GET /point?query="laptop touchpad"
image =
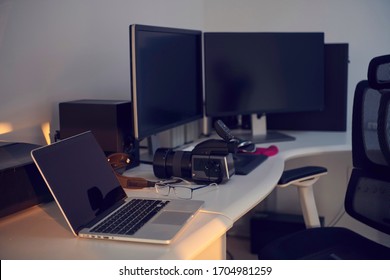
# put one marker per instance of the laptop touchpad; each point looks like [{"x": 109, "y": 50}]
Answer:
[{"x": 172, "y": 218}]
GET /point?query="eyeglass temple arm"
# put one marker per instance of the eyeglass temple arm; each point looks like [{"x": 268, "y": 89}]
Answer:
[{"x": 200, "y": 187}]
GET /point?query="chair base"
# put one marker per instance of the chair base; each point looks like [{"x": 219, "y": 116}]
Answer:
[
  {"x": 325, "y": 244},
  {"x": 266, "y": 227}
]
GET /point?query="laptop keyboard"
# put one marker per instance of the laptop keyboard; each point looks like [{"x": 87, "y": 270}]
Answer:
[{"x": 130, "y": 217}]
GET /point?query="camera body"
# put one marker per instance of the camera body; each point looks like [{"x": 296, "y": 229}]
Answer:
[{"x": 210, "y": 161}]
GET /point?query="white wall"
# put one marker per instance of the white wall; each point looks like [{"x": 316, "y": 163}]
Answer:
[
  {"x": 54, "y": 50},
  {"x": 363, "y": 24}
]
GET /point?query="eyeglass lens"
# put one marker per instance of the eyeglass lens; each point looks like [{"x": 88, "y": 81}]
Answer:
[{"x": 179, "y": 191}]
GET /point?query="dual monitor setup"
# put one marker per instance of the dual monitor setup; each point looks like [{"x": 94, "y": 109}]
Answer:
[{"x": 179, "y": 76}]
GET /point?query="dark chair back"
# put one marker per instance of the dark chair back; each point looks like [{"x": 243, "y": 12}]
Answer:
[{"x": 368, "y": 194}]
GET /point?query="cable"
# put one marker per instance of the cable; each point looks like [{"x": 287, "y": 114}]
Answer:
[{"x": 337, "y": 218}]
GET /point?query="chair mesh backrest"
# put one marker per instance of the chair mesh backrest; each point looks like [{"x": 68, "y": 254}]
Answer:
[
  {"x": 367, "y": 199},
  {"x": 365, "y": 128},
  {"x": 368, "y": 194}
]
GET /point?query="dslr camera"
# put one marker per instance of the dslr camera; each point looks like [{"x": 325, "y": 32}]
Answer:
[{"x": 210, "y": 161}]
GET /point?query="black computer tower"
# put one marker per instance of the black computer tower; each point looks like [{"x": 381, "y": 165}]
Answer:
[{"x": 334, "y": 115}]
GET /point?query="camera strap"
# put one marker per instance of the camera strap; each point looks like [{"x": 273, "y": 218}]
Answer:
[{"x": 120, "y": 162}]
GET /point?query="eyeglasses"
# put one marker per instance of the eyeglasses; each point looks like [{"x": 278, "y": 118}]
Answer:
[{"x": 180, "y": 191}]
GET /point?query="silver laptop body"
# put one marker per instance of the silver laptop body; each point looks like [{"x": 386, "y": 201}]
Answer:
[{"x": 87, "y": 192}]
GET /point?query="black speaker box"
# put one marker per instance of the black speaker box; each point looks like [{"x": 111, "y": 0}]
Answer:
[
  {"x": 334, "y": 115},
  {"x": 110, "y": 121},
  {"x": 21, "y": 184}
]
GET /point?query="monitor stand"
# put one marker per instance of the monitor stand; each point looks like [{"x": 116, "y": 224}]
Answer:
[
  {"x": 259, "y": 133},
  {"x": 147, "y": 153},
  {"x": 171, "y": 138}
]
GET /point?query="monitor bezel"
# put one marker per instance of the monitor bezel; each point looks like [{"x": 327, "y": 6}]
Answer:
[
  {"x": 139, "y": 134},
  {"x": 211, "y": 112}
]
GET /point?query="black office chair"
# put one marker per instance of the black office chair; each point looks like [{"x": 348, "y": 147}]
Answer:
[{"x": 368, "y": 193}]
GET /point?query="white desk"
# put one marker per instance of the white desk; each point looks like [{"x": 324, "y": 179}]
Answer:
[{"x": 42, "y": 233}]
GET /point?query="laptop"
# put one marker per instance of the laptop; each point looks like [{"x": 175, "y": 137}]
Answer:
[{"x": 88, "y": 194}]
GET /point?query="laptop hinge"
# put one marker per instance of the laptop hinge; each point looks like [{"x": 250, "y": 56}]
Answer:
[{"x": 102, "y": 215}]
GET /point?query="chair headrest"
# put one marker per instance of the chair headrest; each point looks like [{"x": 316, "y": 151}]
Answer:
[{"x": 379, "y": 72}]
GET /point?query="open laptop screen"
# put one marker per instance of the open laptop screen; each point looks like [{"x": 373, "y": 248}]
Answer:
[{"x": 80, "y": 178}]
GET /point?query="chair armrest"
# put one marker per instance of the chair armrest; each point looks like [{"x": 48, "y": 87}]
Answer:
[
  {"x": 301, "y": 174},
  {"x": 303, "y": 178}
]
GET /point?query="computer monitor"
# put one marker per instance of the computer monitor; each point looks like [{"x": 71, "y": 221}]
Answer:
[
  {"x": 166, "y": 78},
  {"x": 254, "y": 73},
  {"x": 334, "y": 115}
]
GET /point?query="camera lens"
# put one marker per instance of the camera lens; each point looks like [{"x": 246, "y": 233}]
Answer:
[{"x": 168, "y": 163}]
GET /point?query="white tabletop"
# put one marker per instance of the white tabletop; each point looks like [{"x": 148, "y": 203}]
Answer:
[{"x": 42, "y": 233}]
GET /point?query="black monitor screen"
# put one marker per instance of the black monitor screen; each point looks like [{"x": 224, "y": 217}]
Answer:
[
  {"x": 252, "y": 73},
  {"x": 166, "y": 76}
]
